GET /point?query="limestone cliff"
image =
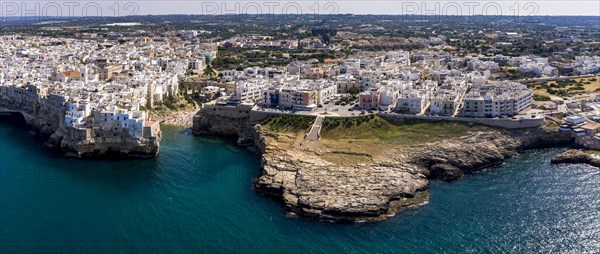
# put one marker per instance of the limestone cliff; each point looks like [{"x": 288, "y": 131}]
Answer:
[
  {"x": 71, "y": 143},
  {"x": 349, "y": 181},
  {"x": 451, "y": 159},
  {"x": 205, "y": 123},
  {"x": 589, "y": 143},
  {"x": 120, "y": 145},
  {"x": 311, "y": 186}
]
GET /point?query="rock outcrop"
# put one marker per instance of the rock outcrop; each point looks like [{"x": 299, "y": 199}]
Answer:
[
  {"x": 225, "y": 121},
  {"x": 72, "y": 143},
  {"x": 315, "y": 188},
  {"x": 451, "y": 159},
  {"x": 588, "y": 143},
  {"x": 120, "y": 145},
  {"x": 576, "y": 157},
  {"x": 366, "y": 187}
]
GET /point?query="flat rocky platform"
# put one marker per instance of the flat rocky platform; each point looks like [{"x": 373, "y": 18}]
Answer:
[
  {"x": 368, "y": 175},
  {"x": 365, "y": 168}
]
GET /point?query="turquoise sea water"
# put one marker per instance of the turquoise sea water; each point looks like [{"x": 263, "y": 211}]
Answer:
[{"x": 196, "y": 197}]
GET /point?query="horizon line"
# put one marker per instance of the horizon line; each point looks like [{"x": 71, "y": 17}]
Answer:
[{"x": 307, "y": 14}]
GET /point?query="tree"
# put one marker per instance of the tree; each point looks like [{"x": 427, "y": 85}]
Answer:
[
  {"x": 353, "y": 91},
  {"x": 209, "y": 71}
]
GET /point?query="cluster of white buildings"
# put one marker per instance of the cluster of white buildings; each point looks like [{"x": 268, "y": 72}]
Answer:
[
  {"x": 538, "y": 66},
  {"x": 94, "y": 83},
  {"x": 387, "y": 81},
  {"x": 580, "y": 126},
  {"x": 285, "y": 92},
  {"x": 258, "y": 41},
  {"x": 587, "y": 65},
  {"x": 460, "y": 96}
]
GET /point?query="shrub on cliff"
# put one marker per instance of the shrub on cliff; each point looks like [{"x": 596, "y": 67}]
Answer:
[{"x": 288, "y": 123}]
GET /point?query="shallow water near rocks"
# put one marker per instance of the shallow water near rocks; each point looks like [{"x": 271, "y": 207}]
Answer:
[{"x": 197, "y": 197}]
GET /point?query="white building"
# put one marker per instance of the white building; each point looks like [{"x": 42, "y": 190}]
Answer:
[
  {"x": 249, "y": 92},
  {"x": 497, "y": 99}
]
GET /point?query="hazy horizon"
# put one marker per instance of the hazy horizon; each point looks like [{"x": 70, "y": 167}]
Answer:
[{"x": 114, "y": 8}]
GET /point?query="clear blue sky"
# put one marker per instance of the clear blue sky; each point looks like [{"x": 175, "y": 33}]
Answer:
[{"x": 423, "y": 7}]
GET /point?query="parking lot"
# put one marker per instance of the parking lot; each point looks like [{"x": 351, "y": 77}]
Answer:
[{"x": 328, "y": 109}]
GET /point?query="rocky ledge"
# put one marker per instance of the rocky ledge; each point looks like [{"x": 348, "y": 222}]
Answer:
[
  {"x": 82, "y": 144},
  {"x": 578, "y": 156},
  {"x": 311, "y": 186},
  {"x": 347, "y": 182},
  {"x": 120, "y": 145}
]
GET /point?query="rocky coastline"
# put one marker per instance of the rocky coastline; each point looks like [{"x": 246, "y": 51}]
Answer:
[
  {"x": 574, "y": 156},
  {"x": 182, "y": 116},
  {"x": 66, "y": 141},
  {"x": 312, "y": 186},
  {"x": 182, "y": 119},
  {"x": 119, "y": 146}
]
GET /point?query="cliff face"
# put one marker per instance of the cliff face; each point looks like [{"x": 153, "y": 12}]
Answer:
[
  {"x": 541, "y": 137},
  {"x": 62, "y": 139},
  {"x": 364, "y": 186},
  {"x": 590, "y": 143},
  {"x": 451, "y": 159},
  {"x": 313, "y": 187},
  {"x": 120, "y": 145},
  {"x": 207, "y": 123}
]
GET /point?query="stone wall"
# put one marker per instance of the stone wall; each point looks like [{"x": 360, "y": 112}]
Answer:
[
  {"x": 506, "y": 123},
  {"x": 227, "y": 120}
]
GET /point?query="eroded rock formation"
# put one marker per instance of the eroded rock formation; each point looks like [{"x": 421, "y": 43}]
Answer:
[
  {"x": 85, "y": 143},
  {"x": 311, "y": 185},
  {"x": 578, "y": 156}
]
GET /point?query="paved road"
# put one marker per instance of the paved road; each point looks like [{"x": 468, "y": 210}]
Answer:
[{"x": 315, "y": 130}]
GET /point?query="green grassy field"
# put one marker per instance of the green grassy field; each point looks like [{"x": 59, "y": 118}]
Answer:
[
  {"x": 288, "y": 123},
  {"x": 378, "y": 129},
  {"x": 565, "y": 87},
  {"x": 362, "y": 139}
]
